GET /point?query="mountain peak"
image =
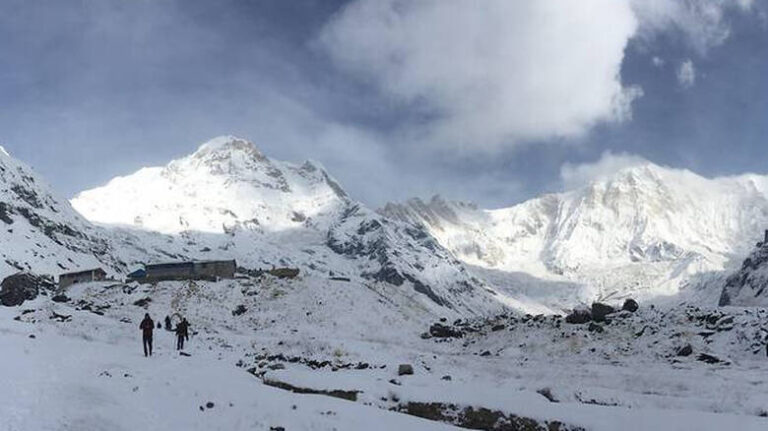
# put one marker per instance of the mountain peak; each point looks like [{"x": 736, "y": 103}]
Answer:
[
  {"x": 227, "y": 144},
  {"x": 3, "y": 152}
]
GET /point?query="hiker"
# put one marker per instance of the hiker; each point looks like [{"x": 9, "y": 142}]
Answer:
[
  {"x": 168, "y": 323},
  {"x": 147, "y": 325},
  {"x": 182, "y": 333}
]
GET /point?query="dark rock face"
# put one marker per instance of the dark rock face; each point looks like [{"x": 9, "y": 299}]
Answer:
[
  {"x": 749, "y": 285},
  {"x": 405, "y": 370},
  {"x": 578, "y": 317},
  {"x": 21, "y": 287},
  {"x": 600, "y": 310},
  {"x": 240, "y": 310},
  {"x": 630, "y": 305}
]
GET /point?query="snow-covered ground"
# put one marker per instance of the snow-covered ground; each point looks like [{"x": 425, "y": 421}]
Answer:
[{"x": 89, "y": 373}]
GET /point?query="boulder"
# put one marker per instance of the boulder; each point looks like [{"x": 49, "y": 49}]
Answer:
[
  {"x": 60, "y": 298},
  {"x": 443, "y": 331},
  {"x": 17, "y": 288},
  {"x": 405, "y": 370},
  {"x": 594, "y": 327},
  {"x": 630, "y": 305},
  {"x": 600, "y": 310},
  {"x": 288, "y": 273},
  {"x": 578, "y": 317},
  {"x": 686, "y": 350}
]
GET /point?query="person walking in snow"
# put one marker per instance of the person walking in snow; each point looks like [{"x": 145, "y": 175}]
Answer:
[
  {"x": 147, "y": 326},
  {"x": 182, "y": 333},
  {"x": 168, "y": 326}
]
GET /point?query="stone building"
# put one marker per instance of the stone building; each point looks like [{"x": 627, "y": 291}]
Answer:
[{"x": 70, "y": 278}]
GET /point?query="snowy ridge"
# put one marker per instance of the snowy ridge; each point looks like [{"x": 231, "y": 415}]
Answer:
[{"x": 644, "y": 231}]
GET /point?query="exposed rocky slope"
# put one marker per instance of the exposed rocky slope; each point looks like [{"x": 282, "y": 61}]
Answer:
[
  {"x": 644, "y": 231},
  {"x": 749, "y": 285}
]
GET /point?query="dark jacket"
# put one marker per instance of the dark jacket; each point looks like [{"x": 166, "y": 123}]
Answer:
[
  {"x": 182, "y": 329},
  {"x": 147, "y": 325}
]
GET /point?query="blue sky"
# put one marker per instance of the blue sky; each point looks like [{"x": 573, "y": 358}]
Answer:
[{"x": 489, "y": 102}]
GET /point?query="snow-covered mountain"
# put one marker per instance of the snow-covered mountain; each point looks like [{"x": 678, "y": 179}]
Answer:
[
  {"x": 647, "y": 230},
  {"x": 42, "y": 233},
  {"x": 226, "y": 184},
  {"x": 228, "y": 200}
]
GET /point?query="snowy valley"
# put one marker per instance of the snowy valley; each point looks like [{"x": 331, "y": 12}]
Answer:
[{"x": 421, "y": 315}]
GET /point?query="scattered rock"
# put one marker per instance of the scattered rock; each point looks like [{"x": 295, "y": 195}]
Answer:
[
  {"x": 443, "y": 331},
  {"x": 288, "y": 273},
  {"x": 239, "y": 310},
  {"x": 335, "y": 393},
  {"x": 143, "y": 302},
  {"x": 486, "y": 353},
  {"x": 60, "y": 298},
  {"x": 630, "y": 305},
  {"x": 578, "y": 317},
  {"x": 209, "y": 405},
  {"x": 447, "y": 378},
  {"x": 405, "y": 370},
  {"x": 703, "y": 357},
  {"x": 61, "y": 317},
  {"x": 497, "y": 328},
  {"x": 32, "y": 336},
  {"x": 479, "y": 418},
  {"x": 547, "y": 393},
  {"x": 600, "y": 310},
  {"x": 686, "y": 350},
  {"x": 594, "y": 327}
]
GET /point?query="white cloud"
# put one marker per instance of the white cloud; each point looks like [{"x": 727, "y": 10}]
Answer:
[
  {"x": 657, "y": 61},
  {"x": 494, "y": 72},
  {"x": 702, "y": 22},
  {"x": 578, "y": 175},
  {"x": 686, "y": 74},
  {"x": 491, "y": 74}
]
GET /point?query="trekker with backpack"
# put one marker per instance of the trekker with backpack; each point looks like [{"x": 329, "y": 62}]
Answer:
[
  {"x": 147, "y": 326},
  {"x": 182, "y": 333}
]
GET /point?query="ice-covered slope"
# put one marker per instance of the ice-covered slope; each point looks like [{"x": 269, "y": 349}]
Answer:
[
  {"x": 228, "y": 199},
  {"x": 645, "y": 230}
]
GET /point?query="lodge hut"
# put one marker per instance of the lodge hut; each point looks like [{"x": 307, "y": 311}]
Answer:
[
  {"x": 192, "y": 270},
  {"x": 70, "y": 278}
]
